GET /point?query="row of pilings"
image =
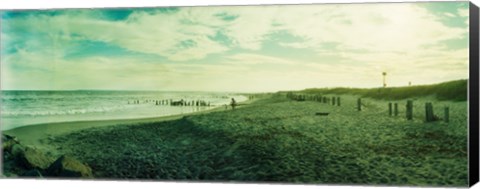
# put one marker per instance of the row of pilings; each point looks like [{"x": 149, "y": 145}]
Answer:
[
  {"x": 393, "y": 108},
  {"x": 171, "y": 102}
]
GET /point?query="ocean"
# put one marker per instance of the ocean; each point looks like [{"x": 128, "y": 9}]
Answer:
[{"x": 22, "y": 108}]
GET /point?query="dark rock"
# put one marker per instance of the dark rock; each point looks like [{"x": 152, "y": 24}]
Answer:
[
  {"x": 9, "y": 167},
  {"x": 10, "y": 174},
  {"x": 32, "y": 173},
  {"x": 8, "y": 137},
  {"x": 17, "y": 150},
  {"x": 8, "y": 141},
  {"x": 68, "y": 167},
  {"x": 30, "y": 158}
]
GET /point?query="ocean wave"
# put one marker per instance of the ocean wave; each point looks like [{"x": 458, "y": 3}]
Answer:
[{"x": 74, "y": 111}]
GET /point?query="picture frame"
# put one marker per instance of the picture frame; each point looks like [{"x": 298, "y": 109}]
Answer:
[{"x": 472, "y": 93}]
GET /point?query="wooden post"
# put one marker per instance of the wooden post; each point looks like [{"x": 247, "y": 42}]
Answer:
[
  {"x": 447, "y": 114},
  {"x": 429, "y": 112},
  {"x": 390, "y": 109},
  {"x": 395, "y": 109},
  {"x": 359, "y": 104},
  {"x": 338, "y": 101},
  {"x": 409, "y": 109},
  {"x": 333, "y": 101}
]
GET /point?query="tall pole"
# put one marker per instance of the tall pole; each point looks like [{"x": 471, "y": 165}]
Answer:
[{"x": 384, "y": 82}]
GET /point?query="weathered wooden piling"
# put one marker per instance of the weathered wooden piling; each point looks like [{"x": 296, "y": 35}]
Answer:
[
  {"x": 446, "y": 117},
  {"x": 359, "y": 104},
  {"x": 390, "y": 111},
  {"x": 409, "y": 110},
  {"x": 395, "y": 109},
  {"x": 338, "y": 101},
  {"x": 429, "y": 116}
]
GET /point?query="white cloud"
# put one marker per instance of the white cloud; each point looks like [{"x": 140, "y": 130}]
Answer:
[
  {"x": 156, "y": 34},
  {"x": 252, "y": 59},
  {"x": 374, "y": 27},
  {"x": 449, "y": 14},
  {"x": 463, "y": 12},
  {"x": 400, "y": 38}
]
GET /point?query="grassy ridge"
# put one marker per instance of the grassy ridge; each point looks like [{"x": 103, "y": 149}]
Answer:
[{"x": 452, "y": 90}]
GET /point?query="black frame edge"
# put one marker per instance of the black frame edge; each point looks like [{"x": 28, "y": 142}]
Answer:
[{"x": 473, "y": 154}]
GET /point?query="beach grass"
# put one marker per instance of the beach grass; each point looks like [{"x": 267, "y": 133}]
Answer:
[
  {"x": 275, "y": 139},
  {"x": 451, "y": 90}
]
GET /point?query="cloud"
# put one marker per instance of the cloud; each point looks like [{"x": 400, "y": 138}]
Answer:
[
  {"x": 158, "y": 34},
  {"x": 374, "y": 27},
  {"x": 463, "y": 12},
  {"x": 449, "y": 14},
  {"x": 233, "y": 48},
  {"x": 252, "y": 59}
]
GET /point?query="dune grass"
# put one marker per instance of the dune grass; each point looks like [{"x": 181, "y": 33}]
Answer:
[
  {"x": 452, "y": 90},
  {"x": 279, "y": 140}
]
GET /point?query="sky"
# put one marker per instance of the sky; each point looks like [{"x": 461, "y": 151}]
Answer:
[{"x": 235, "y": 48}]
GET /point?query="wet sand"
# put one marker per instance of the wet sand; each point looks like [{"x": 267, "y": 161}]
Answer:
[{"x": 36, "y": 135}]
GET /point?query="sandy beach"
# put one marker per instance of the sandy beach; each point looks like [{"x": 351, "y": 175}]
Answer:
[
  {"x": 273, "y": 139},
  {"x": 37, "y": 134}
]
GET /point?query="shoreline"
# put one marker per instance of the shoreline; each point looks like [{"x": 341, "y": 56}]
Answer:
[{"x": 36, "y": 134}]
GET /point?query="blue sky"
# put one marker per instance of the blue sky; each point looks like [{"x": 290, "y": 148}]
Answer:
[{"x": 236, "y": 48}]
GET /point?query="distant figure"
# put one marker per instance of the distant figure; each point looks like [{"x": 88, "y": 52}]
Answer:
[{"x": 233, "y": 104}]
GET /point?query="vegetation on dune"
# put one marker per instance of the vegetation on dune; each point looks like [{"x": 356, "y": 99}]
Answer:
[
  {"x": 452, "y": 90},
  {"x": 280, "y": 140}
]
